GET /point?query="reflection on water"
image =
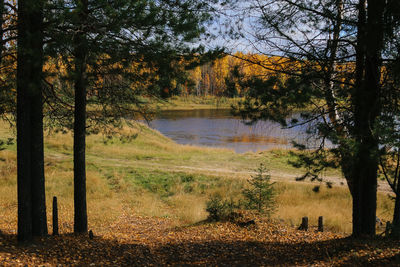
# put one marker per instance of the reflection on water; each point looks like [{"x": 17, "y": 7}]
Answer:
[
  {"x": 218, "y": 128},
  {"x": 252, "y": 138}
]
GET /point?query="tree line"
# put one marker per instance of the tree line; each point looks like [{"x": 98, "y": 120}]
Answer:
[{"x": 218, "y": 76}]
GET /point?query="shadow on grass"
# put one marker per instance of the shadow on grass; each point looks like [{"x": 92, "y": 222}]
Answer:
[{"x": 81, "y": 251}]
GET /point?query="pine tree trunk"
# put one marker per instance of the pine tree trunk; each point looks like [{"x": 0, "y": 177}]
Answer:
[
  {"x": 366, "y": 110},
  {"x": 355, "y": 181},
  {"x": 30, "y": 158},
  {"x": 80, "y": 215},
  {"x": 372, "y": 87},
  {"x": 39, "y": 219},
  {"x": 23, "y": 137}
]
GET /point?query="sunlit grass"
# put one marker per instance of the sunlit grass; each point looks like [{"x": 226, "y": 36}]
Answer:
[{"x": 153, "y": 176}]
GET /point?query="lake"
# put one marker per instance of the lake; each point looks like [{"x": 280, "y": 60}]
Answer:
[{"x": 218, "y": 128}]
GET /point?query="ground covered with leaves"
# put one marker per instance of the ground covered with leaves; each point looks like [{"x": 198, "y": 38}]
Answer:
[{"x": 142, "y": 241}]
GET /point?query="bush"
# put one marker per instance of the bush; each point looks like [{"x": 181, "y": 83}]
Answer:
[
  {"x": 260, "y": 195},
  {"x": 221, "y": 209}
]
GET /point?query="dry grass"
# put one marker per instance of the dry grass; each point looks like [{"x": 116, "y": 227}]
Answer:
[
  {"x": 296, "y": 201},
  {"x": 153, "y": 176}
]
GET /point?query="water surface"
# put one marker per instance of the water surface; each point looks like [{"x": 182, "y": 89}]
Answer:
[{"x": 218, "y": 128}]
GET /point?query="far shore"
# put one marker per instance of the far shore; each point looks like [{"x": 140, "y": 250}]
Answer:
[{"x": 197, "y": 102}]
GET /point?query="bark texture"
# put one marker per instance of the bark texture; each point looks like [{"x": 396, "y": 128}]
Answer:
[
  {"x": 32, "y": 219},
  {"x": 367, "y": 108},
  {"x": 81, "y": 52}
]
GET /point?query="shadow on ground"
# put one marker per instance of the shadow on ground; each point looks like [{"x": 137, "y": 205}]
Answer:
[{"x": 82, "y": 251}]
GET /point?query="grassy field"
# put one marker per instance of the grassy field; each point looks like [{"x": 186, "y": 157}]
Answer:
[{"x": 145, "y": 173}]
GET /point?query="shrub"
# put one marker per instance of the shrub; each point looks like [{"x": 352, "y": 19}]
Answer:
[
  {"x": 259, "y": 196},
  {"x": 221, "y": 209}
]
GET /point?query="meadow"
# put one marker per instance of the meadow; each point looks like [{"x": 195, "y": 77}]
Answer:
[{"x": 143, "y": 172}]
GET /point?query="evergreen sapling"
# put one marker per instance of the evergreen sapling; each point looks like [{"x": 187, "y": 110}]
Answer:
[{"x": 260, "y": 195}]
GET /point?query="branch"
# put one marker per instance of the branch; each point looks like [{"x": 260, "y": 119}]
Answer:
[
  {"x": 51, "y": 86},
  {"x": 386, "y": 175},
  {"x": 14, "y": 8},
  {"x": 306, "y": 121},
  {"x": 396, "y": 174},
  {"x": 319, "y": 13}
]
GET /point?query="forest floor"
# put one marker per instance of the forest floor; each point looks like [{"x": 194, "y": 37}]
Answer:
[{"x": 134, "y": 240}]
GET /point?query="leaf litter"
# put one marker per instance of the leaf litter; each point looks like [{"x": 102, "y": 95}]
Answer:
[{"x": 135, "y": 240}]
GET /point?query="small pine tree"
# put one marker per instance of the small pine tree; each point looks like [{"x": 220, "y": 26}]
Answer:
[{"x": 260, "y": 195}]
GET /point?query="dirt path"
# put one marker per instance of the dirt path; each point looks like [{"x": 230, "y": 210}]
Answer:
[
  {"x": 222, "y": 171},
  {"x": 245, "y": 174}
]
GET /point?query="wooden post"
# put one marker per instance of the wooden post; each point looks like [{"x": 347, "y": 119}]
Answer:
[
  {"x": 304, "y": 224},
  {"x": 91, "y": 235},
  {"x": 55, "y": 216},
  {"x": 320, "y": 224}
]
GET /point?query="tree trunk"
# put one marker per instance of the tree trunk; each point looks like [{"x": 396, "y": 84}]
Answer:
[
  {"x": 332, "y": 48},
  {"x": 23, "y": 130},
  {"x": 30, "y": 159},
  {"x": 360, "y": 66},
  {"x": 80, "y": 208},
  {"x": 330, "y": 97},
  {"x": 39, "y": 219},
  {"x": 396, "y": 217},
  {"x": 366, "y": 110}
]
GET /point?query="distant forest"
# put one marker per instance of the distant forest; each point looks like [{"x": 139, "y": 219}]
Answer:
[
  {"x": 220, "y": 77},
  {"x": 226, "y": 76}
]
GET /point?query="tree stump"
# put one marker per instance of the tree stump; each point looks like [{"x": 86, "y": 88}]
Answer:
[
  {"x": 320, "y": 224},
  {"x": 55, "y": 216},
  {"x": 304, "y": 224}
]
